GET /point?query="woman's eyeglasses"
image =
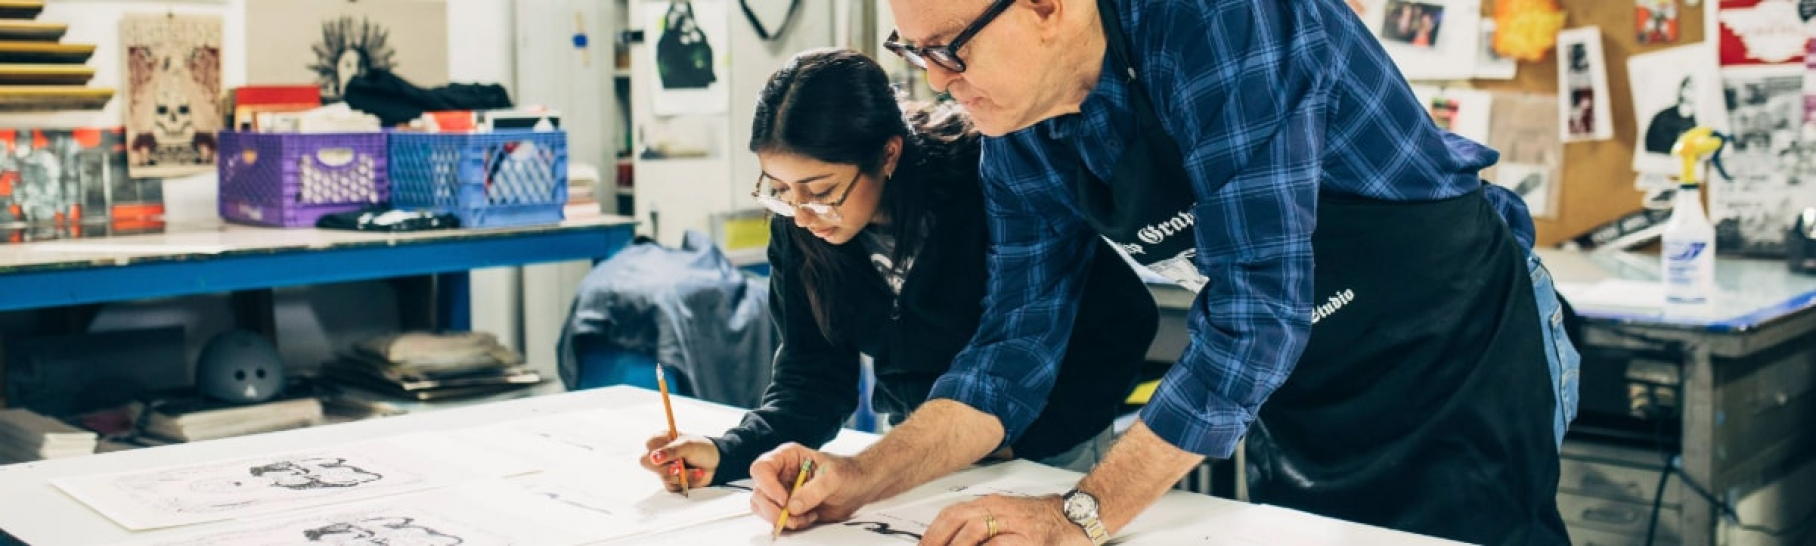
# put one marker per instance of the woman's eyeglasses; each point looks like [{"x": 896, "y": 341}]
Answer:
[
  {"x": 829, "y": 211},
  {"x": 946, "y": 56}
]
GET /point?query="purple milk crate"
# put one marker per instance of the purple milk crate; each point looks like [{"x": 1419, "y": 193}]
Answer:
[{"x": 293, "y": 179}]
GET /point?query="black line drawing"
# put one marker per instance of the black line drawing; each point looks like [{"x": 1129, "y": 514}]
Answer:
[
  {"x": 882, "y": 528},
  {"x": 381, "y": 531},
  {"x": 314, "y": 473}
]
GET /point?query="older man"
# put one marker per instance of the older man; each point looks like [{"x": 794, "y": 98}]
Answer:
[{"x": 1392, "y": 361}]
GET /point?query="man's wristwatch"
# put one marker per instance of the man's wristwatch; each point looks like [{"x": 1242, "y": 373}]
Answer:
[{"x": 1081, "y": 508}]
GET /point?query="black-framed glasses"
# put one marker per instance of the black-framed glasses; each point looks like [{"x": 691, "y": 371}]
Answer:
[
  {"x": 946, "y": 56},
  {"x": 829, "y": 211}
]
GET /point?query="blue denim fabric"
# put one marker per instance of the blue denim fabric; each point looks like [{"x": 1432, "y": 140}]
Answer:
[{"x": 1561, "y": 357}]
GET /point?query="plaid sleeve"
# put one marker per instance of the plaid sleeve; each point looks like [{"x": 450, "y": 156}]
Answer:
[
  {"x": 1248, "y": 106},
  {"x": 1038, "y": 254}
]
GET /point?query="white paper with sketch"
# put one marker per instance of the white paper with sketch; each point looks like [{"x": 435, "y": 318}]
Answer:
[
  {"x": 491, "y": 512},
  {"x": 591, "y": 436},
  {"x": 230, "y": 489},
  {"x": 901, "y": 519}
]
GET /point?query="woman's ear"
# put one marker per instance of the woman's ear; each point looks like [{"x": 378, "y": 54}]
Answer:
[{"x": 892, "y": 152}]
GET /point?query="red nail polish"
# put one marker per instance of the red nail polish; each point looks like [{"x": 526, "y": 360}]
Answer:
[
  {"x": 656, "y": 456},
  {"x": 699, "y": 474},
  {"x": 674, "y": 471}
]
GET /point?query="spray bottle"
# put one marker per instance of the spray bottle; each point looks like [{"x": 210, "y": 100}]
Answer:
[{"x": 1689, "y": 238}]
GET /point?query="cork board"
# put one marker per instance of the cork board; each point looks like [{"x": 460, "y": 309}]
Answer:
[{"x": 1597, "y": 184}]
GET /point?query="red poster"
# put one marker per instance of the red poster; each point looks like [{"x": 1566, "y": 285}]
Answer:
[{"x": 1762, "y": 32}]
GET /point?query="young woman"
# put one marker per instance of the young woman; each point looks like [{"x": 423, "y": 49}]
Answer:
[{"x": 877, "y": 248}]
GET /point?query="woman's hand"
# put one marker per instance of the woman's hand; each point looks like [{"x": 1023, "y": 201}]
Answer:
[{"x": 700, "y": 455}]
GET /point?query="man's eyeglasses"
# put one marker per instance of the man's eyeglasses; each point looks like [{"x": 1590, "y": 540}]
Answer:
[
  {"x": 946, "y": 56},
  {"x": 829, "y": 211}
]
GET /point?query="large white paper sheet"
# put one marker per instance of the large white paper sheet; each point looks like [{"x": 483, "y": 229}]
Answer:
[
  {"x": 494, "y": 512},
  {"x": 237, "y": 488}
]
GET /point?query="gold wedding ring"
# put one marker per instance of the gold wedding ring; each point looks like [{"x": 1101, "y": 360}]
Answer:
[{"x": 990, "y": 523}]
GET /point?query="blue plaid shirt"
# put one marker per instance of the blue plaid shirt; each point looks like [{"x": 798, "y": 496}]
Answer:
[{"x": 1276, "y": 101}]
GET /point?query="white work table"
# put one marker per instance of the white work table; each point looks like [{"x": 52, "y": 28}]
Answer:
[{"x": 35, "y": 512}]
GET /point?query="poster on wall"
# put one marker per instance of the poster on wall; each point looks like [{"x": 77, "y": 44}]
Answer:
[
  {"x": 1584, "y": 106},
  {"x": 1762, "y": 31},
  {"x": 1673, "y": 90},
  {"x": 1772, "y": 162},
  {"x": 1428, "y": 39},
  {"x": 1655, "y": 21},
  {"x": 173, "y": 88},
  {"x": 330, "y": 42},
  {"x": 1460, "y": 111},
  {"x": 1490, "y": 65},
  {"x": 1524, "y": 128},
  {"x": 66, "y": 183},
  {"x": 687, "y": 41}
]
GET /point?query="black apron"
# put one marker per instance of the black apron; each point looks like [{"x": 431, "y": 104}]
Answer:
[{"x": 1422, "y": 401}]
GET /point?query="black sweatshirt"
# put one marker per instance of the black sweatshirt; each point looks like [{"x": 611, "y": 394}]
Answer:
[{"x": 815, "y": 383}]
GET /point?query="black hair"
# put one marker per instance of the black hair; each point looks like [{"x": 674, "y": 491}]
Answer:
[{"x": 837, "y": 106}]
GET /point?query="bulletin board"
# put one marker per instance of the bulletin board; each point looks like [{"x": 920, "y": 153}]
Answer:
[{"x": 1598, "y": 178}]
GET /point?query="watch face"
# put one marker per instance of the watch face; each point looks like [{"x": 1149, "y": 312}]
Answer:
[{"x": 1080, "y": 505}]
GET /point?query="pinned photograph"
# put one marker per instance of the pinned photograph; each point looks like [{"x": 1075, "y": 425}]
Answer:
[
  {"x": 1524, "y": 128},
  {"x": 1412, "y": 23},
  {"x": 331, "y": 42},
  {"x": 173, "y": 81},
  {"x": 1655, "y": 21},
  {"x": 1461, "y": 111},
  {"x": 1770, "y": 158},
  {"x": 688, "y": 51},
  {"x": 1490, "y": 65},
  {"x": 1428, "y": 39},
  {"x": 1532, "y": 183},
  {"x": 1583, "y": 86},
  {"x": 1673, "y": 90}
]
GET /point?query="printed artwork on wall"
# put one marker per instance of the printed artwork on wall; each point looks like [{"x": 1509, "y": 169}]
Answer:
[
  {"x": 330, "y": 42},
  {"x": 173, "y": 81},
  {"x": 1762, "y": 31},
  {"x": 1673, "y": 90},
  {"x": 688, "y": 52},
  {"x": 1655, "y": 21},
  {"x": 1428, "y": 39},
  {"x": 1770, "y": 158},
  {"x": 1583, "y": 86},
  {"x": 1524, "y": 128},
  {"x": 1458, "y": 110}
]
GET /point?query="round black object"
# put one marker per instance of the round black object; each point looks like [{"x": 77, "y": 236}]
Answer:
[{"x": 241, "y": 367}]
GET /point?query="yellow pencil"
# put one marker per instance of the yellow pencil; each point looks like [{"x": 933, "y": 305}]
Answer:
[
  {"x": 782, "y": 521},
  {"x": 662, "y": 385}
]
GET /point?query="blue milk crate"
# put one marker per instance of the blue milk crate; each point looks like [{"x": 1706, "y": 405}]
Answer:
[{"x": 497, "y": 179}]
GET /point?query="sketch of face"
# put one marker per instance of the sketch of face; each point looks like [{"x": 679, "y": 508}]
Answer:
[
  {"x": 317, "y": 473},
  {"x": 1686, "y": 96},
  {"x": 346, "y": 68},
  {"x": 174, "y": 125},
  {"x": 397, "y": 531}
]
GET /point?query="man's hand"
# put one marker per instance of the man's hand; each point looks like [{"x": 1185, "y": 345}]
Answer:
[
  {"x": 700, "y": 455},
  {"x": 836, "y": 489},
  {"x": 1031, "y": 521}
]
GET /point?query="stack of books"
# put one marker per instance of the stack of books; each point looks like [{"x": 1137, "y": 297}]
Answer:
[
  {"x": 28, "y": 436},
  {"x": 423, "y": 366},
  {"x": 190, "y": 417}
]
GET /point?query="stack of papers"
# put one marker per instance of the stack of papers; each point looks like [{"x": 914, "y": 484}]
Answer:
[
  {"x": 195, "y": 418},
  {"x": 27, "y": 436}
]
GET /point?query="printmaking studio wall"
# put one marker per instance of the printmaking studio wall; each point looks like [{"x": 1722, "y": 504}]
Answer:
[
  {"x": 228, "y": 43},
  {"x": 1585, "y": 127}
]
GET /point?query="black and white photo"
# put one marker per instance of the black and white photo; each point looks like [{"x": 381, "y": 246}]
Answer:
[
  {"x": 1769, "y": 158},
  {"x": 1583, "y": 86},
  {"x": 1673, "y": 90}
]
